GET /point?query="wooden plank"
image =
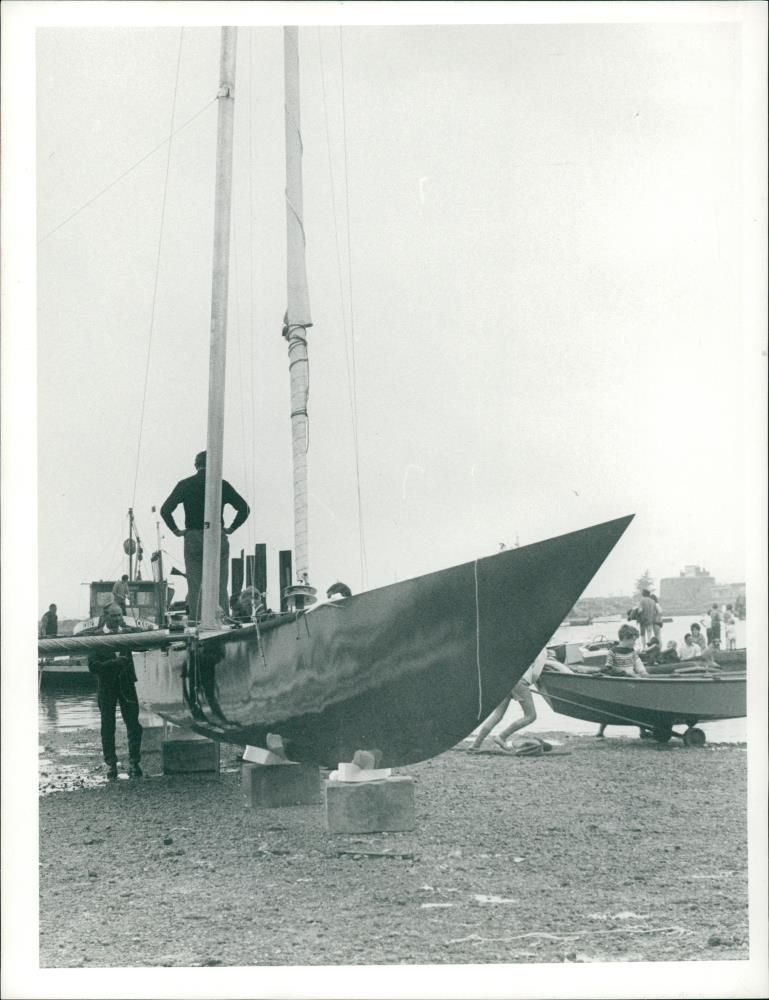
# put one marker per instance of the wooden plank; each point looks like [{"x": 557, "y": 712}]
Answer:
[
  {"x": 285, "y": 575},
  {"x": 237, "y": 574},
  {"x": 260, "y": 568}
]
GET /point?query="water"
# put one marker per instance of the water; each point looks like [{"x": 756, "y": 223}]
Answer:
[
  {"x": 66, "y": 711},
  {"x": 63, "y": 711}
]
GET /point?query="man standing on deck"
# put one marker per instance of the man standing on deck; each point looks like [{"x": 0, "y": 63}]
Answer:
[
  {"x": 49, "y": 623},
  {"x": 191, "y": 493},
  {"x": 115, "y": 673},
  {"x": 120, "y": 592},
  {"x": 648, "y": 613},
  {"x": 714, "y": 632}
]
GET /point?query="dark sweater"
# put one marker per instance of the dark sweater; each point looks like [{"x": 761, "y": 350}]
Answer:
[{"x": 191, "y": 494}]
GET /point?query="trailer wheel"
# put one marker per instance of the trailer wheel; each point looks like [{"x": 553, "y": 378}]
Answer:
[
  {"x": 694, "y": 738},
  {"x": 662, "y": 734}
]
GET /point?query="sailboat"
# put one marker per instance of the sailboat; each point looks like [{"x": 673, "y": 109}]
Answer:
[{"x": 406, "y": 670}]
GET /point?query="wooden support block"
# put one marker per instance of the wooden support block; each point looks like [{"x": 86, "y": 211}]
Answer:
[
  {"x": 269, "y": 786},
  {"x": 186, "y": 752},
  {"x": 370, "y": 806}
]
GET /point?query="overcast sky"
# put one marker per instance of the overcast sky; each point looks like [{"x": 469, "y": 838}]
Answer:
[{"x": 544, "y": 247}]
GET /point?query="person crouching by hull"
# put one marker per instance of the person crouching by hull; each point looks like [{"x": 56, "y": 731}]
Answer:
[{"x": 115, "y": 673}]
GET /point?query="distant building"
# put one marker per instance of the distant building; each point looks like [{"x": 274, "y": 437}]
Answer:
[
  {"x": 727, "y": 593},
  {"x": 694, "y": 590}
]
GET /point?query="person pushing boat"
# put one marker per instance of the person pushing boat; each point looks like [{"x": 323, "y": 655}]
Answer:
[{"x": 521, "y": 693}]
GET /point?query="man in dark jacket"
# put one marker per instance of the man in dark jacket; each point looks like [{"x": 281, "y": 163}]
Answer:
[
  {"x": 115, "y": 673},
  {"x": 49, "y": 623},
  {"x": 191, "y": 494}
]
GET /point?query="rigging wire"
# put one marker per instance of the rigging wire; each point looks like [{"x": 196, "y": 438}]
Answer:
[
  {"x": 157, "y": 267},
  {"x": 237, "y": 330},
  {"x": 363, "y": 566},
  {"x": 125, "y": 173},
  {"x": 107, "y": 550},
  {"x": 246, "y": 363},
  {"x": 348, "y": 331},
  {"x": 252, "y": 364}
]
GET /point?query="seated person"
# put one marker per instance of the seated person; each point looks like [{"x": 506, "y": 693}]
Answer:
[
  {"x": 652, "y": 654},
  {"x": 671, "y": 653},
  {"x": 623, "y": 660},
  {"x": 699, "y": 637},
  {"x": 690, "y": 649},
  {"x": 249, "y": 604}
]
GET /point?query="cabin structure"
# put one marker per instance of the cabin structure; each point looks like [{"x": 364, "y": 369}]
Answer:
[{"x": 149, "y": 599}]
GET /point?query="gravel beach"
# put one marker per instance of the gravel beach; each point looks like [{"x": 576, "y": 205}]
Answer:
[{"x": 612, "y": 850}]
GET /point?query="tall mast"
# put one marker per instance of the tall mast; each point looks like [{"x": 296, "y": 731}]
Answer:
[
  {"x": 218, "y": 352},
  {"x": 297, "y": 319}
]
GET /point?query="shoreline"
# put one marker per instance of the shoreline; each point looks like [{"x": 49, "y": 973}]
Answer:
[{"x": 615, "y": 850}]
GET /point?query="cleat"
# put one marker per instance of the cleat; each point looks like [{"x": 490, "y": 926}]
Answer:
[
  {"x": 134, "y": 771},
  {"x": 112, "y": 772}
]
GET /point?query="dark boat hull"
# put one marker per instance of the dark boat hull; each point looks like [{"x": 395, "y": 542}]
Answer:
[
  {"x": 653, "y": 702},
  {"x": 408, "y": 669}
]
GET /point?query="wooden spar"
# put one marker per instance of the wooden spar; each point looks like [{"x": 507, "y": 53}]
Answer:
[
  {"x": 218, "y": 351},
  {"x": 297, "y": 314},
  {"x": 130, "y": 543},
  {"x": 161, "y": 583}
]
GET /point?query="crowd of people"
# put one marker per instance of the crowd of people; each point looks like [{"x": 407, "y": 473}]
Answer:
[{"x": 719, "y": 625}]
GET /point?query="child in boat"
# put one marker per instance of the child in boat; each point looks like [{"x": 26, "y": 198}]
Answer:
[
  {"x": 623, "y": 660},
  {"x": 652, "y": 653},
  {"x": 698, "y": 637},
  {"x": 730, "y": 623},
  {"x": 671, "y": 653}
]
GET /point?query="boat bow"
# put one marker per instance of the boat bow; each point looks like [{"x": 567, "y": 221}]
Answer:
[{"x": 409, "y": 669}]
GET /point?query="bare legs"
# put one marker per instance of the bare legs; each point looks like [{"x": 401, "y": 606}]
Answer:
[
  {"x": 522, "y": 694},
  {"x": 488, "y": 725}
]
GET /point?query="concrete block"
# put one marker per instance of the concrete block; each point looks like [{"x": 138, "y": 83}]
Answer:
[
  {"x": 370, "y": 806},
  {"x": 269, "y": 786},
  {"x": 152, "y": 738},
  {"x": 185, "y": 753}
]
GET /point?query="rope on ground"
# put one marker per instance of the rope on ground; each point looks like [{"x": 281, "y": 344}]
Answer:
[{"x": 633, "y": 929}]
